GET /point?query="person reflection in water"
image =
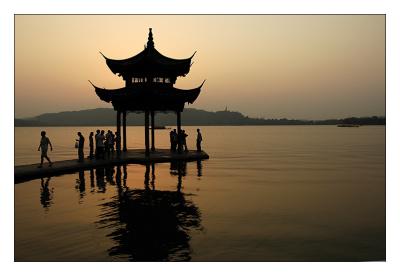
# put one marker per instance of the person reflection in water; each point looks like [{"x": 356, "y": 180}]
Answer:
[
  {"x": 109, "y": 174},
  {"x": 46, "y": 195},
  {"x": 80, "y": 184},
  {"x": 100, "y": 182},
  {"x": 199, "y": 168},
  {"x": 92, "y": 187}
]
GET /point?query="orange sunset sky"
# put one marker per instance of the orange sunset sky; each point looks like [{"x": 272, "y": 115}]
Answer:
[{"x": 271, "y": 66}]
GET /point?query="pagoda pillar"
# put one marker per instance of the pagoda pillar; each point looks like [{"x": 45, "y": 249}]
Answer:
[
  {"x": 146, "y": 131},
  {"x": 119, "y": 130},
  {"x": 124, "y": 130},
  {"x": 152, "y": 131},
  {"x": 178, "y": 125}
]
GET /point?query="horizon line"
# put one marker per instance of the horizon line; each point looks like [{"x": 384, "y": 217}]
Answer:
[{"x": 224, "y": 110}]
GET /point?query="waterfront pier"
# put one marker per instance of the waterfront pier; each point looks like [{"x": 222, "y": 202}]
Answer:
[{"x": 28, "y": 172}]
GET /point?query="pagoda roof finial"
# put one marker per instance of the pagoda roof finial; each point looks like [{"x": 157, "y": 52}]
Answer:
[{"x": 150, "y": 42}]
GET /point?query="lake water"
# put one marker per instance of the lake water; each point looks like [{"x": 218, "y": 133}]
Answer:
[{"x": 267, "y": 193}]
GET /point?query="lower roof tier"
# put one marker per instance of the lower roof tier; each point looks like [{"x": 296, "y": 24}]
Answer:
[{"x": 150, "y": 97}]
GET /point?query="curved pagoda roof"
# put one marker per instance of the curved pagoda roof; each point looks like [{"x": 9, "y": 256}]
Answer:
[
  {"x": 140, "y": 97},
  {"x": 149, "y": 62}
]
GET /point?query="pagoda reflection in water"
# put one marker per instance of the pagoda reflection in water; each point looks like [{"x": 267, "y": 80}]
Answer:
[{"x": 150, "y": 224}]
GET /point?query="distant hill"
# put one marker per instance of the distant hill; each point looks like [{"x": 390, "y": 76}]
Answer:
[{"x": 190, "y": 116}]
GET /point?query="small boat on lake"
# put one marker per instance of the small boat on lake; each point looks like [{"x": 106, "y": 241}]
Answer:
[
  {"x": 161, "y": 127},
  {"x": 348, "y": 125}
]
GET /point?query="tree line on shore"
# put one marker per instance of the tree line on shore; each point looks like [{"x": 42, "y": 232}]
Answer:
[{"x": 190, "y": 116}]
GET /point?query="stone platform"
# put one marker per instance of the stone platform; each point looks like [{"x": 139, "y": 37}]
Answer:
[{"x": 28, "y": 172}]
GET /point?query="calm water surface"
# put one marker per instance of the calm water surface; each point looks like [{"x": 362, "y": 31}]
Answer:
[{"x": 268, "y": 193}]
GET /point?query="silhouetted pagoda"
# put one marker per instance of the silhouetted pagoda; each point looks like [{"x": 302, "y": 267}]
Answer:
[{"x": 149, "y": 87}]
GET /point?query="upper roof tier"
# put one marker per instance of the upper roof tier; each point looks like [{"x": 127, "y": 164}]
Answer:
[{"x": 149, "y": 62}]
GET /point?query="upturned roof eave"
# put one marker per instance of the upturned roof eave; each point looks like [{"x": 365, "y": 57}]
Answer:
[
  {"x": 152, "y": 58},
  {"x": 176, "y": 94}
]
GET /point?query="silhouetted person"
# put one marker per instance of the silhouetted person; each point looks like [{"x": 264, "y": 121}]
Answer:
[
  {"x": 43, "y": 146},
  {"x": 100, "y": 145},
  {"x": 171, "y": 139},
  {"x": 184, "y": 135},
  {"x": 91, "y": 145},
  {"x": 174, "y": 140},
  {"x": 81, "y": 143},
  {"x": 110, "y": 142},
  {"x": 180, "y": 140},
  {"x": 96, "y": 153},
  {"x": 198, "y": 140},
  {"x": 118, "y": 143},
  {"x": 106, "y": 143}
]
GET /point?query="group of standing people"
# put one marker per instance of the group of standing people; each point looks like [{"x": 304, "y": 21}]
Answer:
[
  {"x": 178, "y": 140},
  {"x": 102, "y": 144}
]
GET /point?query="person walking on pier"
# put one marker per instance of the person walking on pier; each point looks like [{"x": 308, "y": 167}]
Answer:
[
  {"x": 81, "y": 143},
  {"x": 198, "y": 140},
  {"x": 91, "y": 145},
  {"x": 43, "y": 145}
]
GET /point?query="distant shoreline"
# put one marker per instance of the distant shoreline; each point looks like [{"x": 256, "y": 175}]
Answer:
[
  {"x": 190, "y": 117},
  {"x": 173, "y": 126}
]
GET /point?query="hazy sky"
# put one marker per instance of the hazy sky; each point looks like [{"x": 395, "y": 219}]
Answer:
[{"x": 272, "y": 66}]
